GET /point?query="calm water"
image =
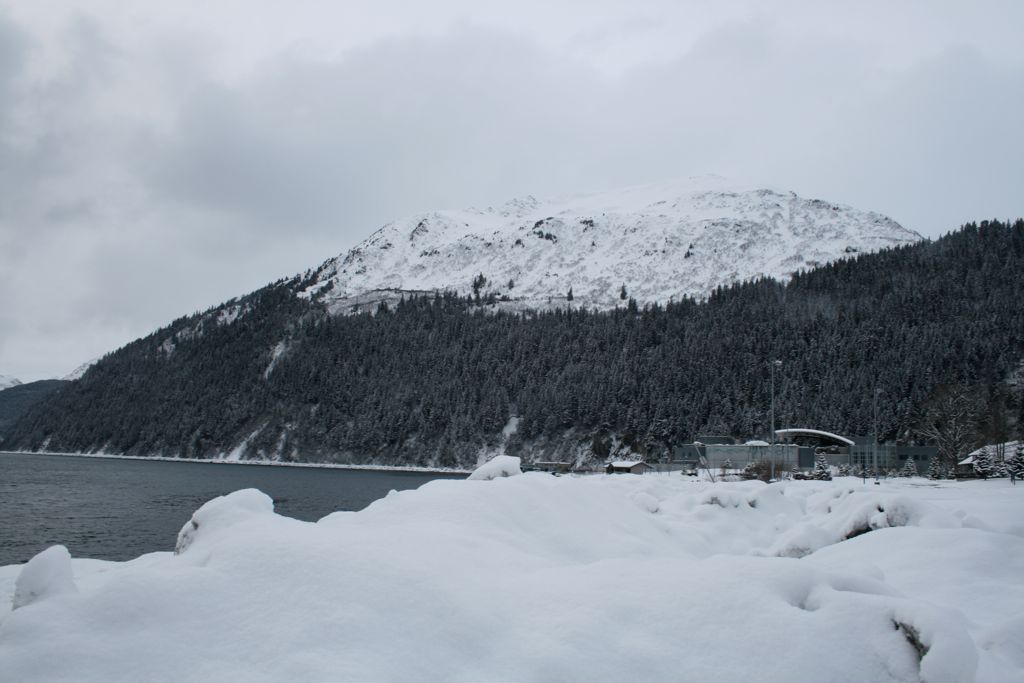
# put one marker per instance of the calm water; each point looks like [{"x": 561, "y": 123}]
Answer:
[{"x": 120, "y": 509}]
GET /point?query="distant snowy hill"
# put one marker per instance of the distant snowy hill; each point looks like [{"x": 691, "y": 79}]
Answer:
[
  {"x": 80, "y": 370},
  {"x": 8, "y": 382},
  {"x": 659, "y": 242}
]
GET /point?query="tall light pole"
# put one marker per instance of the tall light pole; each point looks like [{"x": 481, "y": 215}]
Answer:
[
  {"x": 771, "y": 438},
  {"x": 874, "y": 430}
]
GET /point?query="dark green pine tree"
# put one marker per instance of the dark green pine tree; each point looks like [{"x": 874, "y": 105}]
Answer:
[
  {"x": 1015, "y": 463},
  {"x": 822, "y": 470},
  {"x": 983, "y": 465},
  {"x": 909, "y": 468}
]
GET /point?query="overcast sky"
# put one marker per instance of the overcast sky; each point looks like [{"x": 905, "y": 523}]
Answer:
[{"x": 158, "y": 158}]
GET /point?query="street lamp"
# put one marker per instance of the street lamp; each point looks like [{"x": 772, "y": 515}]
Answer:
[
  {"x": 874, "y": 431},
  {"x": 774, "y": 364}
]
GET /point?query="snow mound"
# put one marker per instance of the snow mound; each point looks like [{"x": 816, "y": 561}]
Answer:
[
  {"x": 496, "y": 467},
  {"x": 842, "y": 514},
  {"x": 947, "y": 654},
  {"x": 44, "y": 576},
  {"x": 222, "y": 513}
]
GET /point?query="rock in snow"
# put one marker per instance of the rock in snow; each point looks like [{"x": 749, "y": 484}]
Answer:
[
  {"x": 541, "y": 578},
  {"x": 651, "y": 243}
]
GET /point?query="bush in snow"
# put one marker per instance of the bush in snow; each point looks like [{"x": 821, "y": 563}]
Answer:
[
  {"x": 821, "y": 469},
  {"x": 845, "y": 470},
  {"x": 935, "y": 469},
  {"x": 45, "y": 575},
  {"x": 759, "y": 469}
]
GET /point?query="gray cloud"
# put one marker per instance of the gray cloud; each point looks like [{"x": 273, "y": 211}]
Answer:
[{"x": 141, "y": 183}]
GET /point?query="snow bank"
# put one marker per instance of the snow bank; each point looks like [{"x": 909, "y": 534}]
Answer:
[
  {"x": 843, "y": 513},
  {"x": 545, "y": 578},
  {"x": 496, "y": 467}
]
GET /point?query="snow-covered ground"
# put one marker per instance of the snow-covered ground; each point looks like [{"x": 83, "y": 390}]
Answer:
[{"x": 541, "y": 578}]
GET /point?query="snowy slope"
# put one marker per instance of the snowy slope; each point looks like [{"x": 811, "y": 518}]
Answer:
[
  {"x": 661, "y": 241},
  {"x": 8, "y": 382}
]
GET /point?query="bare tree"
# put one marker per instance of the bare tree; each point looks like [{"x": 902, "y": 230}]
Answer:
[
  {"x": 996, "y": 427},
  {"x": 950, "y": 420}
]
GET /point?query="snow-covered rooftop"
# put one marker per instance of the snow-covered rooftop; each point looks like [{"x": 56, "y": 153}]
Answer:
[{"x": 813, "y": 432}]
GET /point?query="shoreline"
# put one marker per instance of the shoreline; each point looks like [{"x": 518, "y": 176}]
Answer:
[{"x": 258, "y": 463}]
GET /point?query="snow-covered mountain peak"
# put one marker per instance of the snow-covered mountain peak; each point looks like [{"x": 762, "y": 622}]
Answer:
[
  {"x": 7, "y": 382},
  {"x": 660, "y": 242}
]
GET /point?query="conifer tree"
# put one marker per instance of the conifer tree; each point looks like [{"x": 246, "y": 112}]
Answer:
[
  {"x": 1016, "y": 463},
  {"x": 909, "y": 468},
  {"x": 821, "y": 469},
  {"x": 983, "y": 465}
]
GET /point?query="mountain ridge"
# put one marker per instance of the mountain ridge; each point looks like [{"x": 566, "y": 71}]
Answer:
[
  {"x": 437, "y": 380},
  {"x": 652, "y": 243}
]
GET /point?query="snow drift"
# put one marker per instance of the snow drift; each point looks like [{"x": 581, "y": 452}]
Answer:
[{"x": 541, "y": 578}]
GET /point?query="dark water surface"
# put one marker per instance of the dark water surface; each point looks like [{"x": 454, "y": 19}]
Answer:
[{"x": 115, "y": 509}]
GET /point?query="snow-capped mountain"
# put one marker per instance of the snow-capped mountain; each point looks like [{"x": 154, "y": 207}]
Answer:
[
  {"x": 8, "y": 382},
  {"x": 659, "y": 242}
]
